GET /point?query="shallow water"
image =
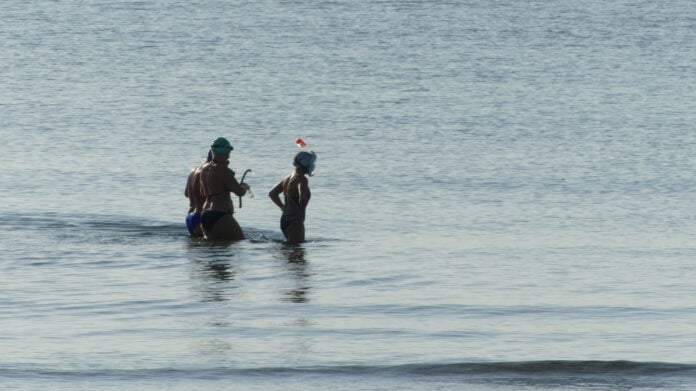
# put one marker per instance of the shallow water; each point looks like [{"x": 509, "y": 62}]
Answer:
[{"x": 504, "y": 197}]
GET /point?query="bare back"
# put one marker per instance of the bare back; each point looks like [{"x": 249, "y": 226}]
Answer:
[
  {"x": 193, "y": 190},
  {"x": 296, "y": 193},
  {"x": 295, "y": 190}
]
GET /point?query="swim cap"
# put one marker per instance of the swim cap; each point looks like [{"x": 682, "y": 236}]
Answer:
[
  {"x": 306, "y": 160},
  {"x": 221, "y": 146}
]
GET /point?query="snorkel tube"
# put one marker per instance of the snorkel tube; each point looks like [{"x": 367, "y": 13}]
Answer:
[
  {"x": 248, "y": 170},
  {"x": 305, "y": 159}
]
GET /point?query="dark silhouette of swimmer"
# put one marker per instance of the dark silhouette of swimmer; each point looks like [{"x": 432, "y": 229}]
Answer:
[
  {"x": 217, "y": 181},
  {"x": 196, "y": 199},
  {"x": 295, "y": 189}
]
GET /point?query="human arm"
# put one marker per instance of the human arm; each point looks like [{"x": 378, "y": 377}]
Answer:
[
  {"x": 189, "y": 182},
  {"x": 233, "y": 186},
  {"x": 274, "y": 195}
]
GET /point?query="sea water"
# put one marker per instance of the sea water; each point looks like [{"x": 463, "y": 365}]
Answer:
[{"x": 504, "y": 200}]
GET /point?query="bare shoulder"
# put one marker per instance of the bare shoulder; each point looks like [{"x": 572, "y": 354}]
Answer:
[
  {"x": 294, "y": 180},
  {"x": 288, "y": 179}
]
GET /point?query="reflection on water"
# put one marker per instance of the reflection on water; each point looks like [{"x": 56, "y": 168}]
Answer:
[
  {"x": 213, "y": 272},
  {"x": 216, "y": 279},
  {"x": 297, "y": 266},
  {"x": 216, "y": 267},
  {"x": 220, "y": 271},
  {"x": 294, "y": 253}
]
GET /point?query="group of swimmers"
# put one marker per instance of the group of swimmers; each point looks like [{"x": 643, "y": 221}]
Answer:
[{"x": 209, "y": 187}]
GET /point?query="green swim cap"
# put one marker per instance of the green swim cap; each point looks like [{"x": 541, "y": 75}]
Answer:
[{"x": 221, "y": 146}]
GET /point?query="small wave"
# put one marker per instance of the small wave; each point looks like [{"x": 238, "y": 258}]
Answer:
[
  {"x": 551, "y": 367},
  {"x": 103, "y": 227},
  {"x": 475, "y": 370},
  {"x": 88, "y": 223}
]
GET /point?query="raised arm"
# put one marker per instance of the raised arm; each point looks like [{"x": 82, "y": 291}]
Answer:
[{"x": 233, "y": 186}]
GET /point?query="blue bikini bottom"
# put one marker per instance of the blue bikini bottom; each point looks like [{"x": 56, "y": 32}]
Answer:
[{"x": 192, "y": 221}]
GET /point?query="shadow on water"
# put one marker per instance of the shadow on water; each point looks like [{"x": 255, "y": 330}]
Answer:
[
  {"x": 296, "y": 265},
  {"x": 216, "y": 265},
  {"x": 215, "y": 280},
  {"x": 214, "y": 271}
]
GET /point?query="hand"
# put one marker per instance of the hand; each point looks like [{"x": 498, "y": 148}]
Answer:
[{"x": 245, "y": 186}]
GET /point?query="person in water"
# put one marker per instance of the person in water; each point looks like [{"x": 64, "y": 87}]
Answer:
[
  {"x": 295, "y": 189},
  {"x": 196, "y": 199},
  {"x": 217, "y": 181}
]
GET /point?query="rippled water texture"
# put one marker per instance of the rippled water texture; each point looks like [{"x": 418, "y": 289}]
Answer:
[{"x": 504, "y": 197}]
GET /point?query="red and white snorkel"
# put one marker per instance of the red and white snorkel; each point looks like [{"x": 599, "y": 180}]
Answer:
[{"x": 306, "y": 159}]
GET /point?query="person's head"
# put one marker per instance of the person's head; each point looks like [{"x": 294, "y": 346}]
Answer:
[
  {"x": 221, "y": 147},
  {"x": 306, "y": 162}
]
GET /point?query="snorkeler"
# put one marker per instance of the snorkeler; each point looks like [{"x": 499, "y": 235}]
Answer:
[
  {"x": 295, "y": 188},
  {"x": 217, "y": 181},
  {"x": 196, "y": 199}
]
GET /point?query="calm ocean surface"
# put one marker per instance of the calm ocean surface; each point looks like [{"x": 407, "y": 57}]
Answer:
[{"x": 505, "y": 196}]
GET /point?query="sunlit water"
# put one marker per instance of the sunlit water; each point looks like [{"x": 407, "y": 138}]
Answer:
[{"x": 504, "y": 200}]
